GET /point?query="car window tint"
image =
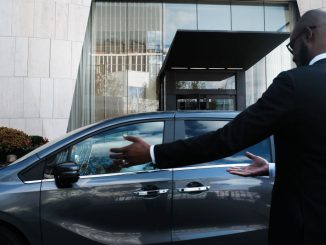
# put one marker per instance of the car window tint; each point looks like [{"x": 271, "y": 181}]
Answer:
[
  {"x": 93, "y": 155},
  {"x": 195, "y": 128}
]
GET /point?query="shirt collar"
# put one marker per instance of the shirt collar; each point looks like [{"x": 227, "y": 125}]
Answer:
[{"x": 317, "y": 58}]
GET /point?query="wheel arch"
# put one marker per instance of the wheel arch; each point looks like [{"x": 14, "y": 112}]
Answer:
[{"x": 16, "y": 230}]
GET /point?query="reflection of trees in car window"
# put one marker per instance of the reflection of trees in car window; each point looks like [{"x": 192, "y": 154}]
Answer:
[
  {"x": 195, "y": 128},
  {"x": 93, "y": 153},
  {"x": 61, "y": 157}
]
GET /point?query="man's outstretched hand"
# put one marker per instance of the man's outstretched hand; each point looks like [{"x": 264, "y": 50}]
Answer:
[
  {"x": 258, "y": 167},
  {"x": 136, "y": 153}
]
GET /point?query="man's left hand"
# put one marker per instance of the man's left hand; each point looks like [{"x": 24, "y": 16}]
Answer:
[{"x": 258, "y": 167}]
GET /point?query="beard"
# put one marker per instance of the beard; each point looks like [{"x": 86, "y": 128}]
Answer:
[{"x": 302, "y": 58}]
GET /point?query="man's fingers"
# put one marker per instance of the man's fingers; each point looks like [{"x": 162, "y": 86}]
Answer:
[
  {"x": 256, "y": 160},
  {"x": 121, "y": 163},
  {"x": 250, "y": 155},
  {"x": 119, "y": 150},
  {"x": 117, "y": 162},
  {"x": 125, "y": 148},
  {"x": 131, "y": 138},
  {"x": 233, "y": 169},
  {"x": 117, "y": 156},
  {"x": 237, "y": 168},
  {"x": 239, "y": 172}
]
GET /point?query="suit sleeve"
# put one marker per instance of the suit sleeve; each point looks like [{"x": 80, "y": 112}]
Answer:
[{"x": 271, "y": 112}]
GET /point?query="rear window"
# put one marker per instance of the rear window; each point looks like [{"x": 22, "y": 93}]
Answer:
[{"x": 196, "y": 127}]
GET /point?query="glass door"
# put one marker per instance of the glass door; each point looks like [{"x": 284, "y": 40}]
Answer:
[
  {"x": 187, "y": 102},
  {"x": 220, "y": 102},
  {"x": 205, "y": 102}
]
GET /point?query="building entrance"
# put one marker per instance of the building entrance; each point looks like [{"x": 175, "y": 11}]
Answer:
[
  {"x": 205, "y": 102},
  {"x": 206, "y": 70},
  {"x": 205, "y": 95}
]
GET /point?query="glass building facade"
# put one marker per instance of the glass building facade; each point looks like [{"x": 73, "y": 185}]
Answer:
[{"x": 126, "y": 43}]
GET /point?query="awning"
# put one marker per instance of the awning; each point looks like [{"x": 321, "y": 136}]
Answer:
[{"x": 220, "y": 51}]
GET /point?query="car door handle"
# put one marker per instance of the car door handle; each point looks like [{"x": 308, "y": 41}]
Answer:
[
  {"x": 151, "y": 192},
  {"x": 194, "y": 189}
]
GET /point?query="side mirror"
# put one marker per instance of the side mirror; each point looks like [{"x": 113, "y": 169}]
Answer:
[{"x": 65, "y": 174}]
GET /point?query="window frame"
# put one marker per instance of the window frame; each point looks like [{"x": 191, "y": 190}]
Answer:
[
  {"x": 180, "y": 130},
  {"x": 168, "y": 136}
]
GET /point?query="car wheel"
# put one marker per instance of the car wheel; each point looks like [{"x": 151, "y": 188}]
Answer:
[{"x": 8, "y": 237}]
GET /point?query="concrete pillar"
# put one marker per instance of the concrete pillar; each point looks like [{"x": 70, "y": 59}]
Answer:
[
  {"x": 241, "y": 90},
  {"x": 170, "y": 93}
]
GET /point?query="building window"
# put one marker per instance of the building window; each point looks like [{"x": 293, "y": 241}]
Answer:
[
  {"x": 214, "y": 17},
  {"x": 277, "y": 18},
  {"x": 177, "y": 16},
  {"x": 126, "y": 42},
  {"x": 247, "y": 17}
]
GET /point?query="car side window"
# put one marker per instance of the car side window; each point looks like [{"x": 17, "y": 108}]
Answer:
[
  {"x": 93, "y": 154},
  {"x": 195, "y": 128}
]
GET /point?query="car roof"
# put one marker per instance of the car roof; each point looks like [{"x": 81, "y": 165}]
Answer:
[
  {"x": 206, "y": 114},
  {"x": 179, "y": 114},
  {"x": 165, "y": 115}
]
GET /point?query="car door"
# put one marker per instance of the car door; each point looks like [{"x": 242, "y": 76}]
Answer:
[
  {"x": 211, "y": 206},
  {"x": 108, "y": 204}
]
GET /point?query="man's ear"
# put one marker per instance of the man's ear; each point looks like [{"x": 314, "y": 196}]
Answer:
[{"x": 308, "y": 34}]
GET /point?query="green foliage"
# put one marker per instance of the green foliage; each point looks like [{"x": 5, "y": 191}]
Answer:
[
  {"x": 38, "y": 141},
  {"x": 13, "y": 141}
]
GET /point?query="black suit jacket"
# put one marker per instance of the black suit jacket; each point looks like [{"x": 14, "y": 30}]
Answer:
[{"x": 293, "y": 109}]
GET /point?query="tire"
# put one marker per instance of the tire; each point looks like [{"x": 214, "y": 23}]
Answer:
[{"x": 9, "y": 237}]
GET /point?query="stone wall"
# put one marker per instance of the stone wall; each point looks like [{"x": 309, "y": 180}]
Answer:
[
  {"x": 40, "y": 47},
  {"x": 305, "y": 5}
]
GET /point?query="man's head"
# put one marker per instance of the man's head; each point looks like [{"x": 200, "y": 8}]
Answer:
[{"x": 308, "y": 38}]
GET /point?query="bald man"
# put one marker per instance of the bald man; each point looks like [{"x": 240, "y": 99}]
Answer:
[{"x": 293, "y": 109}]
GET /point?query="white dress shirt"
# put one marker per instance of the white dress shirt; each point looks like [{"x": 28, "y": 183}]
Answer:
[{"x": 317, "y": 58}]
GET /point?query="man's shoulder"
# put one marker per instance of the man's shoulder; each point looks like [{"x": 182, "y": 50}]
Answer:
[
  {"x": 297, "y": 78},
  {"x": 291, "y": 78},
  {"x": 296, "y": 70},
  {"x": 299, "y": 72},
  {"x": 319, "y": 65}
]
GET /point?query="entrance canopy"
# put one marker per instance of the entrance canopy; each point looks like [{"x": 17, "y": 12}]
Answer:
[{"x": 219, "y": 51}]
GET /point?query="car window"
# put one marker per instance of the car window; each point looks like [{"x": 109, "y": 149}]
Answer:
[
  {"x": 196, "y": 127},
  {"x": 93, "y": 155}
]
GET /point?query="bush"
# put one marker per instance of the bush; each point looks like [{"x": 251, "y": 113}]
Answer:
[
  {"x": 38, "y": 141},
  {"x": 16, "y": 142},
  {"x": 13, "y": 141}
]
